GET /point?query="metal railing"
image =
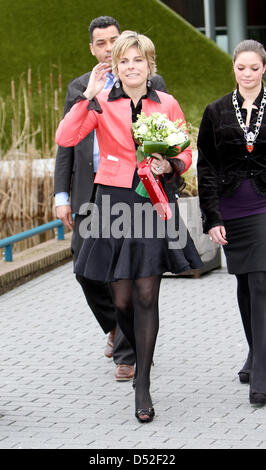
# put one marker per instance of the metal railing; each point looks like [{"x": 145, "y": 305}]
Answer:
[{"x": 7, "y": 243}]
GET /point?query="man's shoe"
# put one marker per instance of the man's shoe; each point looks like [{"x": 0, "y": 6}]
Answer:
[
  {"x": 124, "y": 372},
  {"x": 108, "y": 352}
]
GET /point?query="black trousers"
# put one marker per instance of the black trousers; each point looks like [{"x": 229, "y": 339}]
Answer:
[{"x": 99, "y": 298}]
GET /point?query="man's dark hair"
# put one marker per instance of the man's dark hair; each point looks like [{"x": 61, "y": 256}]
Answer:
[{"x": 102, "y": 22}]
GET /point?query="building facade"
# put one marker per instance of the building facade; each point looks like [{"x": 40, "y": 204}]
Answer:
[{"x": 225, "y": 21}]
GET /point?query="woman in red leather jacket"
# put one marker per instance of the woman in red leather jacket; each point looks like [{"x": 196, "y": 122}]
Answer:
[
  {"x": 133, "y": 263},
  {"x": 232, "y": 192}
]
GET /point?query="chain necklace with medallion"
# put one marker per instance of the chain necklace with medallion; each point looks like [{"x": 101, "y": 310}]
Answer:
[{"x": 250, "y": 137}]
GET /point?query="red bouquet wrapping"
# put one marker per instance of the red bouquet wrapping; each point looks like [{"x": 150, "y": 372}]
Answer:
[{"x": 154, "y": 189}]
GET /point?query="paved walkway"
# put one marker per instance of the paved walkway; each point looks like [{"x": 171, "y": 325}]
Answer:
[{"x": 57, "y": 389}]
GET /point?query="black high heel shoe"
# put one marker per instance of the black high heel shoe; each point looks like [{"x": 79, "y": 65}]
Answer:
[
  {"x": 244, "y": 373},
  {"x": 243, "y": 377},
  {"x": 257, "y": 398},
  {"x": 145, "y": 416}
]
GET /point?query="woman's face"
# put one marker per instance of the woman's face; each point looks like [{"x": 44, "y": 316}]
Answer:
[
  {"x": 133, "y": 68},
  {"x": 248, "y": 69}
]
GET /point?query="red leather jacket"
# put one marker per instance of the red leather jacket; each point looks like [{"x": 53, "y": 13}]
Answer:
[{"x": 113, "y": 129}]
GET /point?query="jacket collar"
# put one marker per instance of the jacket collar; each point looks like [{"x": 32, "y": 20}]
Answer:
[
  {"x": 117, "y": 92},
  {"x": 257, "y": 101}
]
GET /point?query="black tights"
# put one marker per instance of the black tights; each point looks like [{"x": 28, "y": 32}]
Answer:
[
  {"x": 136, "y": 302},
  {"x": 251, "y": 294}
]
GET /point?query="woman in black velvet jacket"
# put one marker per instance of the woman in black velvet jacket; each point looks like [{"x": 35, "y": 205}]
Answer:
[{"x": 232, "y": 193}]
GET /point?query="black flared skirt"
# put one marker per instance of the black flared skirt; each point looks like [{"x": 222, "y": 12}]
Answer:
[
  {"x": 126, "y": 238},
  {"x": 246, "y": 249}
]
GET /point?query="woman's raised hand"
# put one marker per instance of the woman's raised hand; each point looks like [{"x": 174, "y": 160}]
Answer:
[{"x": 97, "y": 80}]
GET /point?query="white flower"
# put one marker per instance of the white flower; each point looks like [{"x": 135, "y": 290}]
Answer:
[
  {"x": 171, "y": 126},
  {"x": 143, "y": 129},
  {"x": 172, "y": 139},
  {"x": 176, "y": 138},
  {"x": 161, "y": 119},
  {"x": 182, "y": 137}
]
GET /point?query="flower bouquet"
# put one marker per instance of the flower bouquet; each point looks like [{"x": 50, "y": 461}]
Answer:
[{"x": 156, "y": 134}]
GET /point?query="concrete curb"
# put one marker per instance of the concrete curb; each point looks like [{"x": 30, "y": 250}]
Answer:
[{"x": 34, "y": 261}]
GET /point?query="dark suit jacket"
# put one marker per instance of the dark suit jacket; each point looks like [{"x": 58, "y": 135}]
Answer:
[{"x": 74, "y": 172}]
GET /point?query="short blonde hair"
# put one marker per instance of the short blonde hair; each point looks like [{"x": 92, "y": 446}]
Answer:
[{"x": 132, "y": 39}]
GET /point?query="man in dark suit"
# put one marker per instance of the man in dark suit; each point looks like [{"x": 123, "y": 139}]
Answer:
[{"x": 75, "y": 169}]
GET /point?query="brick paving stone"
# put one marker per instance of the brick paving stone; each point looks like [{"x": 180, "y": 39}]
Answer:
[{"x": 57, "y": 390}]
